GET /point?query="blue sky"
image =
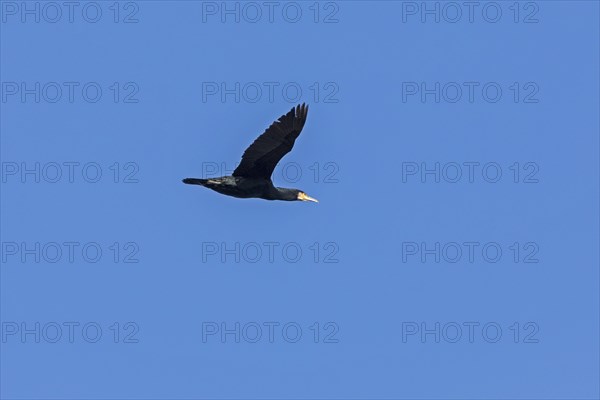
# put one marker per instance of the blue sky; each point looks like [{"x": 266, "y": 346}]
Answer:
[{"x": 454, "y": 151}]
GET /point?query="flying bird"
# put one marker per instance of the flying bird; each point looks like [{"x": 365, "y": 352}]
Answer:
[{"x": 252, "y": 177}]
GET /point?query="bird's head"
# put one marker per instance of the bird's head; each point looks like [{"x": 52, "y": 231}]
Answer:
[
  {"x": 292, "y": 195},
  {"x": 304, "y": 197}
]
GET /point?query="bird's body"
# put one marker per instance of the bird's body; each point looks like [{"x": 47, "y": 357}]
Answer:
[
  {"x": 252, "y": 178},
  {"x": 244, "y": 188}
]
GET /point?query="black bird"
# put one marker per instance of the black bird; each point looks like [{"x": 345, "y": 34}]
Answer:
[{"x": 252, "y": 178}]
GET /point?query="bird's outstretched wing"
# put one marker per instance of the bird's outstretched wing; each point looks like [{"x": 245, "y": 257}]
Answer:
[{"x": 259, "y": 160}]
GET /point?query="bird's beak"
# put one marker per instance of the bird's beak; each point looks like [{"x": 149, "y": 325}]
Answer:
[{"x": 304, "y": 197}]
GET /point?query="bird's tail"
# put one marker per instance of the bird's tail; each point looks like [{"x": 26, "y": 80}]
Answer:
[{"x": 195, "y": 181}]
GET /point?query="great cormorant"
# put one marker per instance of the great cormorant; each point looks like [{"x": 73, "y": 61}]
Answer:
[{"x": 252, "y": 178}]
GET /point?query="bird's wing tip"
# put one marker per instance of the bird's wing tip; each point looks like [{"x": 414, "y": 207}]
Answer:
[{"x": 302, "y": 110}]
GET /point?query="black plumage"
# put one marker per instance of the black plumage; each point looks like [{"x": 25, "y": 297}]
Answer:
[{"x": 252, "y": 177}]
